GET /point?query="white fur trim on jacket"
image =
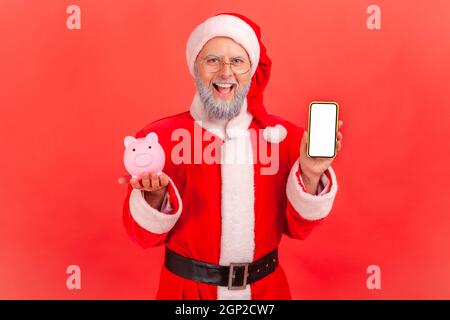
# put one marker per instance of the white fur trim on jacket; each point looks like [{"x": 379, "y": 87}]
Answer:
[
  {"x": 150, "y": 219},
  {"x": 223, "y": 25},
  {"x": 311, "y": 207},
  {"x": 237, "y": 208},
  {"x": 237, "y": 243}
]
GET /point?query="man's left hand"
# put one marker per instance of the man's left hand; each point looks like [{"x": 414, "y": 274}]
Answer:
[{"x": 313, "y": 168}]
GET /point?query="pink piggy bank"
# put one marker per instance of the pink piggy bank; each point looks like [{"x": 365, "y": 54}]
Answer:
[{"x": 143, "y": 155}]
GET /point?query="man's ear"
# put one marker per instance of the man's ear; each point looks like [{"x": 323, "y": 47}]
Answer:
[{"x": 196, "y": 66}]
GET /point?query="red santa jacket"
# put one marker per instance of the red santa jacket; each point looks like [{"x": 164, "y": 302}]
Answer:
[{"x": 232, "y": 210}]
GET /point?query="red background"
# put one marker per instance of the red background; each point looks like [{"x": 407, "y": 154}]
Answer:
[{"x": 69, "y": 97}]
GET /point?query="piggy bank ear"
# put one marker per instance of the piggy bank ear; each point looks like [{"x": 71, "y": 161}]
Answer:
[
  {"x": 128, "y": 141},
  {"x": 152, "y": 137}
]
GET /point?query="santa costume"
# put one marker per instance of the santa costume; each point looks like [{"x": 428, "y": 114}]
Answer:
[{"x": 229, "y": 212}]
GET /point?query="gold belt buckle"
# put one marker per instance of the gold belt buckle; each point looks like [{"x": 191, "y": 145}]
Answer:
[{"x": 231, "y": 276}]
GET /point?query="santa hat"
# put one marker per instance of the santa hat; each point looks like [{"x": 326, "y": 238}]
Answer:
[{"x": 248, "y": 35}]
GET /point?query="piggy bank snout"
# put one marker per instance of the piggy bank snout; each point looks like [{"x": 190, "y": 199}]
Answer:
[{"x": 143, "y": 159}]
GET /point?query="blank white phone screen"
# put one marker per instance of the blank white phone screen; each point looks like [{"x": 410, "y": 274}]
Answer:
[{"x": 322, "y": 128}]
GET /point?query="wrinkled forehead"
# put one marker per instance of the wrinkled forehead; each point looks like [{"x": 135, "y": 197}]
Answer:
[{"x": 223, "y": 47}]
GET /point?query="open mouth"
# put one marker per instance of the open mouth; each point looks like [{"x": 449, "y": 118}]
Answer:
[{"x": 224, "y": 89}]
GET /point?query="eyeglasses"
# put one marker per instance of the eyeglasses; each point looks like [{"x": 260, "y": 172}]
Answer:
[{"x": 214, "y": 64}]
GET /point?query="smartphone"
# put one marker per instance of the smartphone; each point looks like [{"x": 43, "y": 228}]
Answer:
[{"x": 322, "y": 129}]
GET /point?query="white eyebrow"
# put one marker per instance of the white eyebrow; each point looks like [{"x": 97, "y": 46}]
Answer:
[
  {"x": 242, "y": 57},
  {"x": 219, "y": 56}
]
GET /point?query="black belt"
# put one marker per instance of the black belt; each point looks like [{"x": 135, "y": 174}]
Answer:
[{"x": 235, "y": 276}]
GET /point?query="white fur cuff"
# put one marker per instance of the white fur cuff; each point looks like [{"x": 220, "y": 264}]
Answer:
[
  {"x": 149, "y": 218},
  {"x": 311, "y": 207}
]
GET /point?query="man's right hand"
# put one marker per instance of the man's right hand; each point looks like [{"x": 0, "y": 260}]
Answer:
[{"x": 154, "y": 186}]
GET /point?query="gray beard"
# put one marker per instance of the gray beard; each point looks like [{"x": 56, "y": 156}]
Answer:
[{"x": 219, "y": 109}]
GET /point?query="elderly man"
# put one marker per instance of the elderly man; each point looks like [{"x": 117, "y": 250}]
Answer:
[{"x": 221, "y": 221}]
